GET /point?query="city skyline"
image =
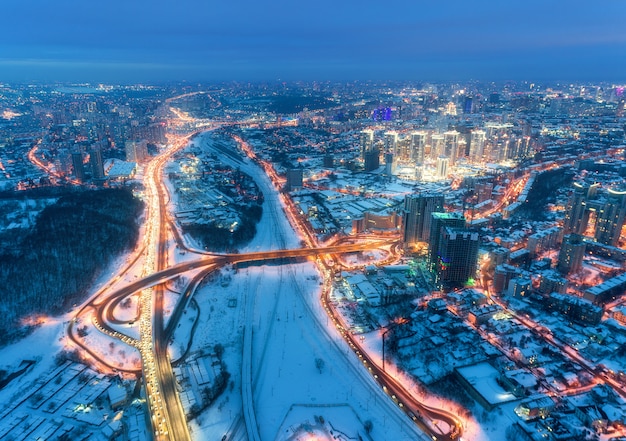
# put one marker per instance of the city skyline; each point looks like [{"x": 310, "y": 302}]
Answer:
[{"x": 453, "y": 40}]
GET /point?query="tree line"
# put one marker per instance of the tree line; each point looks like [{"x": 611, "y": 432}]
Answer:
[
  {"x": 53, "y": 265},
  {"x": 217, "y": 238}
]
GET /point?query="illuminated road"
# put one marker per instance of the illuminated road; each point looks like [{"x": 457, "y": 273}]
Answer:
[
  {"x": 163, "y": 404},
  {"x": 427, "y": 418},
  {"x": 166, "y": 414},
  {"x": 565, "y": 349},
  {"x": 159, "y": 380},
  {"x": 168, "y": 421}
]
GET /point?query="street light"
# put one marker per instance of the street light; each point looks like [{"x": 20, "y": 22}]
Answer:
[{"x": 384, "y": 334}]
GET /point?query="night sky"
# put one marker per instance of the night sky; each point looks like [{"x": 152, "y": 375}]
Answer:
[{"x": 205, "y": 40}]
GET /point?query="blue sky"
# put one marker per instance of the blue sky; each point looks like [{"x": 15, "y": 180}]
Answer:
[{"x": 195, "y": 40}]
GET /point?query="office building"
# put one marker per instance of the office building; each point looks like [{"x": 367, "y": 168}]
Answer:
[{"x": 418, "y": 210}]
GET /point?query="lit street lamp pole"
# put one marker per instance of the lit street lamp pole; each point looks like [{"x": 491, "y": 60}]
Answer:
[{"x": 384, "y": 334}]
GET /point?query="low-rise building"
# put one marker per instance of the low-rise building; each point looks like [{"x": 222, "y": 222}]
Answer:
[{"x": 538, "y": 406}]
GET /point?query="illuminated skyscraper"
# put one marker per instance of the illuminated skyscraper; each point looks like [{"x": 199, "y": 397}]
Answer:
[
  {"x": 477, "y": 145},
  {"x": 577, "y": 211},
  {"x": 418, "y": 210},
  {"x": 418, "y": 144},
  {"x": 367, "y": 142},
  {"x": 442, "y": 167},
  {"x": 451, "y": 143},
  {"x": 391, "y": 143}
]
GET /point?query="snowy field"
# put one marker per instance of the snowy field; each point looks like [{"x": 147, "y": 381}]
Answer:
[{"x": 296, "y": 357}]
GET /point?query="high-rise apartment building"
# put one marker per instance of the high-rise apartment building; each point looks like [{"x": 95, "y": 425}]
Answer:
[
  {"x": 136, "y": 151},
  {"x": 438, "y": 222},
  {"x": 79, "y": 167},
  {"x": 442, "y": 167},
  {"x": 437, "y": 146},
  {"x": 404, "y": 148},
  {"x": 451, "y": 145},
  {"x": 577, "y": 211},
  {"x": 477, "y": 145},
  {"x": 367, "y": 142},
  {"x": 294, "y": 179},
  {"x": 594, "y": 213},
  {"x": 418, "y": 210},
  {"x": 391, "y": 143},
  {"x": 372, "y": 159},
  {"x": 456, "y": 257},
  {"x": 417, "y": 147},
  {"x": 611, "y": 217},
  {"x": 96, "y": 163},
  {"x": 390, "y": 164},
  {"x": 571, "y": 254}
]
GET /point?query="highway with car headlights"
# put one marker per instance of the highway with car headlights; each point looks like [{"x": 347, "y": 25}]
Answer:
[{"x": 167, "y": 417}]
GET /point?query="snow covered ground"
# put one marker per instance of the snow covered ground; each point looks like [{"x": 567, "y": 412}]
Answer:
[
  {"x": 288, "y": 341},
  {"x": 295, "y": 360}
]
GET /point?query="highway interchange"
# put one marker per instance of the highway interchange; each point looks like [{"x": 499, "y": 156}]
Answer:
[{"x": 163, "y": 403}]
